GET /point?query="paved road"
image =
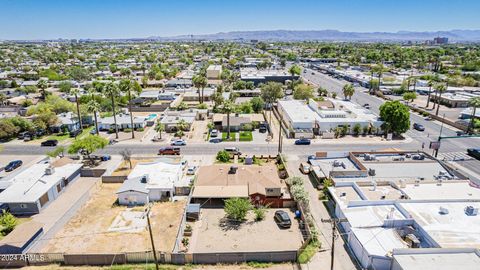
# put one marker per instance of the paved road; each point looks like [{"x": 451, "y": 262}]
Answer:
[{"x": 432, "y": 128}]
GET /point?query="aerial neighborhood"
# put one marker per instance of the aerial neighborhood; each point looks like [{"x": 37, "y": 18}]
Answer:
[{"x": 240, "y": 152}]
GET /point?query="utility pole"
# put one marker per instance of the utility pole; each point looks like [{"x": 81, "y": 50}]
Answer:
[
  {"x": 151, "y": 237},
  {"x": 280, "y": 135},
  {"x": 333, "y": 222},
  {"x": 440, "y": 136}
]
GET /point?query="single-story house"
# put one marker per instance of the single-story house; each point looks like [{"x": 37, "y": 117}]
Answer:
[
  {"x": 123, "y": 122},
  {"x": 34, "y": 188},
  {"x": 261, "y": 184},
  {"x": 152, "y": 181},
  {"x": 237, "y": 121},
  {"x": 67, "y": 120}
]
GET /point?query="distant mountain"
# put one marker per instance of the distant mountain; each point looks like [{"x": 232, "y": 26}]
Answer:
[{"x": 332, "y": 35}]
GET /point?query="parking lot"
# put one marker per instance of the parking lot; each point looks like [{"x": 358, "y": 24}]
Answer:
[{"x": 212, "y": 233}]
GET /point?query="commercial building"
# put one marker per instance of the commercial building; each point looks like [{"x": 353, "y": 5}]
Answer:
[
  {"x": 323, "y": 117},
  {"x": 267, "y": 75},
  {"x": 34, "y": 188},
  {"x": 214, "y": 71},
  {"x": 398, "y": 205}
]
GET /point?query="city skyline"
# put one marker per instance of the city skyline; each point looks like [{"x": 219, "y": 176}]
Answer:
[{"x": 91, "y": 19}]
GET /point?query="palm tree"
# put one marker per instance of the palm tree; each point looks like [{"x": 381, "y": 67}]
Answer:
[
  {"x": 379, "y": 69},
  {"x": 228, "y": 107},
  {"x": 440, "y": 89},
  {"x": 160, "y": 128},
  {"x": 126, "y": 86},
  {"x": 75, "y": 91},
  {"x": 474, "y": 103},
  {"x": 348, "y": 91},
  {"x": 430, "y": 84},
  {"x": 94, "y": 106},
  {"x": 111, "y": 90},
  {"x": 200, "y": 82},
  {"x": 42, "y": 84}
]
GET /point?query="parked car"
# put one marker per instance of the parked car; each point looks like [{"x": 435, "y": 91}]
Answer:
[
  {"x": 75, "y": 133},
  {"x": 233, "y": 150},
  {"x": 179, "y": 142},
  {"x": 418, "y": 127},
  {"x": 428, "y": 118},
  {"x": 169, "y": 151},
  {"x": 13, "y": 165},
  {"x": 282, "y": 219},
  {"x": 304, "y": 168},
  {"x": 262, "y": 128},
  {"x": 303, "y": 141},
  {"x": 461, "y": 133},
  {"x": 213, "y": 133},
  {"x": 215, "y": 140},
  {"x": 22, "y": 135},
  {"x": 191, "y": 170},
  {"x": 49, "y": 143},
  {"x": 474, "y": 152}
]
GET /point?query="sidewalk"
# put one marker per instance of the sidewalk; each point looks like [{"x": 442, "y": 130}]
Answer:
[{"x": 322, "y": 259}]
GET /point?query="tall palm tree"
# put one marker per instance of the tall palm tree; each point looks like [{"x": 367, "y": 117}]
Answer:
[
  {"x": 160, "y": 128},
  {"x": 75, "y": 91},
  {"x": 228, "y": 107},
  {"x": 440, "y": 89},
  {"x": 200, "y": 82},
  {"x": 111, "y": 90},
  {"x": 42, "y": 84},
  {"x": 94, "y": 106},
  {"x": 430, "y": 84},
  {"x": 127, "y": 86},
  {"x": 474, "y": 103},
  {"x": 348, "y": 91}
]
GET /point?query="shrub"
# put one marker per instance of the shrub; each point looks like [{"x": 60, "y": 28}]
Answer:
[
  {"x": 7, "y": 222},
  {"x": 357, "y": 129},
  {"x": 140, "y": 129},
  {"x": 127, "y": 130},
  {"x": 223, "y": 156},
  {"x": 259, "y": 213},
  {"x": 237, "y": 208}
]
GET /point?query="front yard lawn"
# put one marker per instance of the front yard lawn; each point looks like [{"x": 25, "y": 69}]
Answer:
[
  {"x": 233, "y": 137},
  {"x": 246, "y": 136}
]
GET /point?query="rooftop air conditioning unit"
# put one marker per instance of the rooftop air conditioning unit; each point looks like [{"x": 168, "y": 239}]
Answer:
[
  {"x": 233, "y": 170},
  {"x": 443, "y": 211},
  {"x": 144, "y": 179},
  {"x": 471, "y": 211},
  {"x": 49, "y": 170},
  {"x": 343, "y": 194},
  {"x": 371, "y": 172}
]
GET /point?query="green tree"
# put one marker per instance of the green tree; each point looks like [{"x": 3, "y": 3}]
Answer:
[
  {"x": 111, "y": 90},
  {"x": 227, "y": 108},
  {"x": 257, "y": 104},
  {"x": 65, "y": 86},
  {"x": 440, "y": 89},
  {"x": 322, "y": 91},
  {"x": 7, "y": 222},
  {"x": 396, "y": 117},
  {"x": 87, "y": 145},
  {"x": 348, "y": 91},
  {"x": 409, "y": 96},
  {"x": 94, "y": 106},
  {"x": 303, "y": 91},
  {"x": 271, "y": 92},
  {"x": 127, "y": 86},
  {"x": 42, "y": 85},
  {"x": 223, "y": 156},
  {"x": 79, "y": 74},
  {"x": 237, "y": 208},
  {"x": 294, "y": 70},
  {"x": 200, "y": 82},
  {"x": 260, "y": 212},
  {"x": 75, "y": 92},
  {"x": 7, "y": 129},
  {"x": 474, "y": 103},
  {"x": 357, "y": 129},
  {"x": 159, "y": 128},
  {"x": 59, "y": 151}
]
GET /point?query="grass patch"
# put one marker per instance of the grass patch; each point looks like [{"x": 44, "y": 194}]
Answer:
[
  {"x": 85, "y": 132},
  {"x": 309, "y": 251},
  {"x": 58, "y": 137},
  {"x": 259, "y": 264},
  {"x": 246, "y": 136},
  {"x": 233, "y": 137}
]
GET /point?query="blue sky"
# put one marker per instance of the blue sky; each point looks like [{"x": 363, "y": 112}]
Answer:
[{"x": 47, "y": 19}]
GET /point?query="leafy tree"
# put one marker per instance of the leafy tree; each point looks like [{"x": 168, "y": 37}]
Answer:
[
  {"x": 294, "y": 70},
  {"x": 87, "y": 145},
  {"x": 182, "y": 106},
  {"x": 59, "y": 151},
  {"x": 42, "y": 85},
  {"x": 245, "y": 107},
  {"x": 237, "y": 208},
  {"x": 7, "y": 222},
  {"x": 357, "y": 129},
  {"x": 7, "y": 129},
  {"x": 303, "y": 91},
  {"x": 65, "y": 86},
  {"x": 409, "y": 96},
  {"x": 257, "y": 104},
  {"x": 223, "y": 156},
  {"x": 322, "y": 91},
  {"x": 396, "y": 117},
  {"x": 79, "y": 74},
  {"x": 202, "y": 106},
  {"x": 474, "y": 103},
  {"x": 348, "y": 91},
  {"x": 127, "y": 156}
]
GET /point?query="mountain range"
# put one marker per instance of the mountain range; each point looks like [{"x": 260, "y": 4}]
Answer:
[{"x": 331, "y": 35}]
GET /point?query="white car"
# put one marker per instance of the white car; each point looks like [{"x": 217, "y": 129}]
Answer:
[
  {"x": 191, "y": 170},
  {"x": 214, "y": 133},
  {"x": 179, "y": 142}
]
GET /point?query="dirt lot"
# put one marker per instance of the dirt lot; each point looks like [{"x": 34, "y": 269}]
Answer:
[
  {"x": 88, "y": 230},
  {"x": 124, "y": 167},
  {"x": 211, "y": 234}
]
